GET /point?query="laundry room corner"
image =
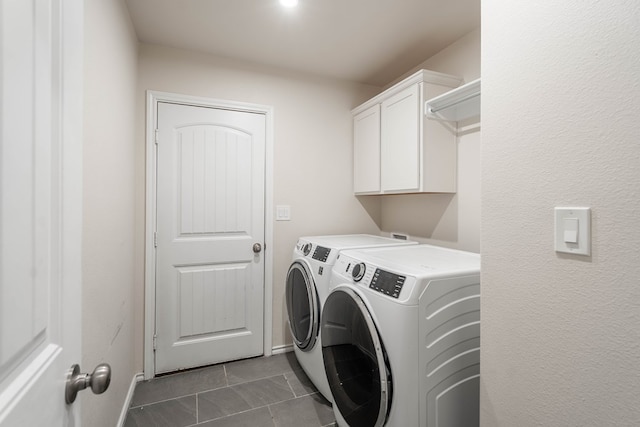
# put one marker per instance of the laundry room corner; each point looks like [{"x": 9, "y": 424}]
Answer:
[
  {"x": 450, "y": 220},
  {"x": 307, "y": 137}
]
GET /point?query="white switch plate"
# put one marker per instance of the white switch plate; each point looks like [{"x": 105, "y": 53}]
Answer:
[
  {"x": 283, "y": 213},
  {"x": 566, "y": 220}
]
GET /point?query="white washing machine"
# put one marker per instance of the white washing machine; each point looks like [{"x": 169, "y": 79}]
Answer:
[
  {"x": 401, "y": 337},
  {"x": 307, "y": 286}
]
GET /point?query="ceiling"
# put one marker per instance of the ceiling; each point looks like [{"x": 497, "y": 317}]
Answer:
[{"x": 366, "y": 41}]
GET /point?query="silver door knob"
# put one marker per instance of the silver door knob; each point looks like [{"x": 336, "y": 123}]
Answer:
[
  {"x": 98, "y": 380},
  {"x": 257, "y": 248}
]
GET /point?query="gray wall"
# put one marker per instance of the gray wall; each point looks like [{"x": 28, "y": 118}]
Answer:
[
  {"x": 560, "y": 127},
  {"x": 108, "y": 320}
]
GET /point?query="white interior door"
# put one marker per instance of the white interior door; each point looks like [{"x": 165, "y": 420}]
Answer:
[
  {"x": 210, "y": 214},
  {"x": 40, "y": 208}
]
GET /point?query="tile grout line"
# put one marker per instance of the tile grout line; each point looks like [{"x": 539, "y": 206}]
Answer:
[
  {"x": 268, "y": 406},
  {"x": 226, "y": 377},
  {"x": 234, "y": 414},
  {"x": 284, "y": 373},
  {"x": 164, "y": 400},
  {"x": 273, "y": 421},
  {"x": 216, "y": 388},
  {"x": 290, "y": 386},
  {"x": 197, "y": 415}
]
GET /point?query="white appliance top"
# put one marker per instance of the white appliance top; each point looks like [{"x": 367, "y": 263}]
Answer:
[
  {"x": 325, "y": 249},
  {"x": 351, "y": 241},
  {"x": 420, "y": 261},
  {"x": 402, "y": 273}
]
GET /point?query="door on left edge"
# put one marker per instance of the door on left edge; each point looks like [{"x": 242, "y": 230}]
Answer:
[{"x": 40, "y": 208}]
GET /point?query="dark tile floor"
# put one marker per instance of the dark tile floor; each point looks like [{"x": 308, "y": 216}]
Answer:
[{"x": 259, "y": 392}]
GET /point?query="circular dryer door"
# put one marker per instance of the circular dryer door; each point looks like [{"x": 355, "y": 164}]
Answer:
[
  {"x": 302, "y": 305},
  {"x": 354, "y": 360}
]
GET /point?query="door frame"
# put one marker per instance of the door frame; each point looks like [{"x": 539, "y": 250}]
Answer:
[{"x": 153, "y": 98}]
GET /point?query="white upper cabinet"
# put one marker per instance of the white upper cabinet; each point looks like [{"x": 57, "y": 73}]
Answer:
[
  {"x": 396, "y": 149},
  {"x": 366, "y": 149},
  {"x": 399, "y": 141}
]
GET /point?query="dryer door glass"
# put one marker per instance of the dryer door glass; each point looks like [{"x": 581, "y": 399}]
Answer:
[
  {"x": 302, "y": 306},
  {"x": 354, "y": 360}
]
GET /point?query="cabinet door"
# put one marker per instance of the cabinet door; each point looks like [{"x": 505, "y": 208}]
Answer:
[
  {"x": 400, "y": 141},
  {"x": 366, "y": 151}
]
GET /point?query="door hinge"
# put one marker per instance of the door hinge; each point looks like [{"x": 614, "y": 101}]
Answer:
[
  {"x": 157, "y": 135},
  {"x": 155, "y": 342},
  {"x": 155, "y": 239}
]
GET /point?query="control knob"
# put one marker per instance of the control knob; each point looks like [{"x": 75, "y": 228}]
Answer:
[
  {"x": 306, "y": 248},
  {"x": 358, "y": 271}
]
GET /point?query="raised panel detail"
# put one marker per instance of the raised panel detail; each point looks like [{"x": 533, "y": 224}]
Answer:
[
  {"x": 214, "y": 174},
  {"x": 212, "y": 299},
  {"x": 25, "y": 179},
  {"x": 400, "y": 141},
  {"x": 366, "y": 151}
]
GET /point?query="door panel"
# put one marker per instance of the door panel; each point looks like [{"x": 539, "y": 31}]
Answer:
[
  {"x": 210, "y": 212},
  {"x": 40, "y": 209},
  {"x": 366, "y": 151},
  {"x": 400, "y": 143},
  {"x": 213, "y": 299},
  {"x": 215, "y": 190}
]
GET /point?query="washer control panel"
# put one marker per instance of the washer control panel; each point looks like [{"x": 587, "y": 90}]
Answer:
[
  {"x": 321, "y": 254},
  {"x": 387, "y": 283}
]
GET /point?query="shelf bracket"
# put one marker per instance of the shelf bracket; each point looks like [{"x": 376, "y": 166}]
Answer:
[{"x": 465, "y": 98}]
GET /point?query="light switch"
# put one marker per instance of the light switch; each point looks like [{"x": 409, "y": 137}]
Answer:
[
  {"x": 573, "y": 230},
  {"x": 283, "y": 213}
]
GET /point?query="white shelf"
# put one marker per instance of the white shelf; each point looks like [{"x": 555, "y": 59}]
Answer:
[{"x": 458, "y": 104}]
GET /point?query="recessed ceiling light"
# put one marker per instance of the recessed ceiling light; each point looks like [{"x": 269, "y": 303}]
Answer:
[{"x": 289, "y": 3}]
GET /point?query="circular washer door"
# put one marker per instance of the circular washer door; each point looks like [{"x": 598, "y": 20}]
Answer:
[
  {"x": 302, "y": 306},
  {"x": 354, "y": 360}
]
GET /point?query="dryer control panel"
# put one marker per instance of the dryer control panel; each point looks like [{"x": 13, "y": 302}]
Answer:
[
  {"x": 387, "y": 283},
  {"x": 374, "y": 278}
]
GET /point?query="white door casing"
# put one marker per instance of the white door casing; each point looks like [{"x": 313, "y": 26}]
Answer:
[
  {"x": 40, "y": 208},
  {"x": 212, "y": 302}
]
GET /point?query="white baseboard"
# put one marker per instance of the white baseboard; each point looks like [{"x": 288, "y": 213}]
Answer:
[
  {"x": 125, "y": 407},
  {"x": 280, "y": 349}
]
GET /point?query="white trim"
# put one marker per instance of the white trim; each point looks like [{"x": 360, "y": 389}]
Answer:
[
  {"x": 127, "y": 401},
  {"x": 153, "y": 97},
  {"x": 281, "y": 349},
  {"x": 268, "y": 235},
  {"x": 420, "y": 76}
]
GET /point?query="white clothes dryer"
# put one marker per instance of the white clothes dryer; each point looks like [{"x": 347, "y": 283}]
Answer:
[
  {"x": 401, "y": 337},
  {"x": 307, "y": 286}
]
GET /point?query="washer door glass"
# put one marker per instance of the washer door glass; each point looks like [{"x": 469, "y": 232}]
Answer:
[
  {"x": 354, "y": 360},
  {"x": 302, "y": 306}
]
